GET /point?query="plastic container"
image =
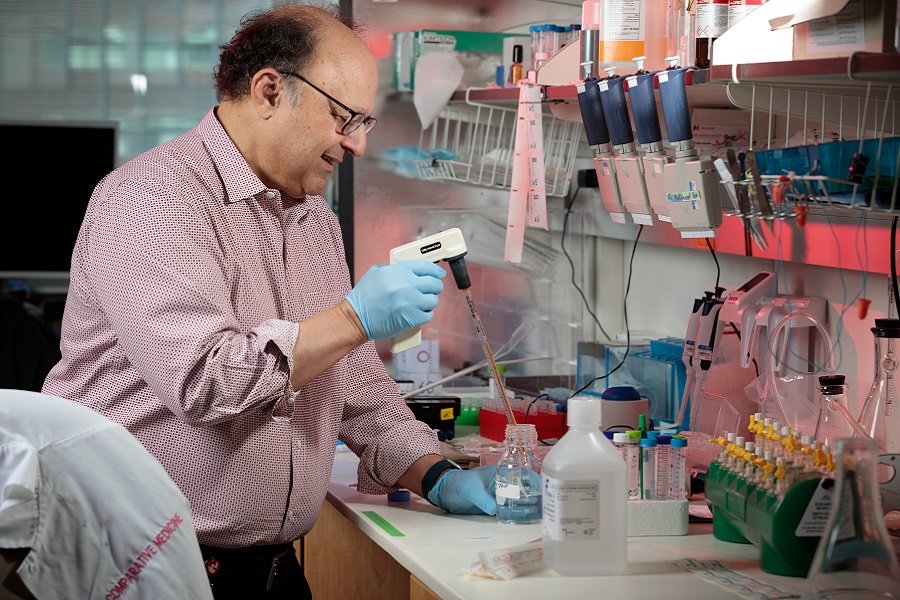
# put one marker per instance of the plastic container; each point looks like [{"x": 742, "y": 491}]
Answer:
[
  {"x": 626, "y": 30},
  {"x": 585, "y": 481},
  {"x": 677, "y": 474},
  {"x": 493, "y": 423},
  {"x": 648, "y": 469},
  {"x": 663, "y": 465}
]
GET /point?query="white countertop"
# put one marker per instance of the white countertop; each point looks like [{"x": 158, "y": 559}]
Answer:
[{"x": 439, "y": 549}]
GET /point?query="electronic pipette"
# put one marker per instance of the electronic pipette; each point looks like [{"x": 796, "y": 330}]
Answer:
[{"x": 447, "y": 245}]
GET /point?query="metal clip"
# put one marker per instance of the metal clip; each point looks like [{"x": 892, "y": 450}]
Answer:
[{"x": 277, "y": 560}]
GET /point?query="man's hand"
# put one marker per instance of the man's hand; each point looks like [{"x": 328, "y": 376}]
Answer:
[
  {"x": 466, "y": 492},
  {"x": 390, "y": 299}
]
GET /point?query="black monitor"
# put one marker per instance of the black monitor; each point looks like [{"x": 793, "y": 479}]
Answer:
[{"x": 50, "y": 169}]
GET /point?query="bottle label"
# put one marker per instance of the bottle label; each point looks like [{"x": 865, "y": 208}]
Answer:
[
  {"x": 712, "y": 18},
  {"x": 571, "y": 509},
  {"x": 508, "y": 490}
]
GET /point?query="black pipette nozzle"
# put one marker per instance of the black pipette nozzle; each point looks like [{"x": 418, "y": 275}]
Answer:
[
  {"x": 460, "y": 273},
  {"x": 719, "y": 292}
]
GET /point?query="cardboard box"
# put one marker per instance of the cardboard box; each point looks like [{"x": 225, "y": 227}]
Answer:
[{"x": 838, "y": 28}]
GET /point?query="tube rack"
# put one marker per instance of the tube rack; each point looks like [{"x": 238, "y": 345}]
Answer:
[{"x": 745, "y": 513}]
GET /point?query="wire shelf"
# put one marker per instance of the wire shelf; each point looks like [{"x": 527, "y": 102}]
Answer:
[
  {"x": 858, "y": 169},
  {"x": 473, "y": 142}
]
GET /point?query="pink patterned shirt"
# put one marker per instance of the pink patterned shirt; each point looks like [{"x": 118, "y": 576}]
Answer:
[{"x": 188, "y": 278}]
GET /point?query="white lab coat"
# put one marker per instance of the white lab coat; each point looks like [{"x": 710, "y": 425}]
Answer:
[{"x": 100, "y": 514}]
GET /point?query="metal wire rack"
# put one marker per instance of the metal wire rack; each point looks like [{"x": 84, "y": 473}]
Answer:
[
  {"x": 474, "y": 142},
  {"x": 848, "y": 157}
]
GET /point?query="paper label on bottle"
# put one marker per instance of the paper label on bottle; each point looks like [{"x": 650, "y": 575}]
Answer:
[
  {"x": 712, "y": 18},
  {"x": 623, "y": 20},
  {"x": 508, "y": 490},
  {"x": 571, "y": 509},
  {"x": 815, "y": 517}
]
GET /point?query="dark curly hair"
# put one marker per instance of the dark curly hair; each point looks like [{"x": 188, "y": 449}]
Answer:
[{"x": 281, "y": 38}]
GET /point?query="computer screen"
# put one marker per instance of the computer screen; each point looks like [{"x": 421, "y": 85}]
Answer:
[{"x": 50, "y": 169}]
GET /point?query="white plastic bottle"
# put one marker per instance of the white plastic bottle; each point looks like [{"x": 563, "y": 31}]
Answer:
[{"x": 585, "y": 497}]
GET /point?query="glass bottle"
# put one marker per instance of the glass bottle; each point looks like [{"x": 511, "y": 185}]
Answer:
[
  {"x": 712, "y": 21},
  {"x": 855, "y": 557},
  {"x": 518, "y": 486},
  {"x": 877, "y": 416},
  {"x": 516, "y": 73},
  {"x": 831, "y": 424}
]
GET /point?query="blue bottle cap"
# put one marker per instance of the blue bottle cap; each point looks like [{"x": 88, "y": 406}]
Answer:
[
  {"x": 648, "y": 443},
  {"x": 663, "y": 439},
  {"x": 398, "y": 496},
  {"x": 621, "y": 392},
  {"x": 609, "y": 434},
  {"x": 679, "y": 442}
]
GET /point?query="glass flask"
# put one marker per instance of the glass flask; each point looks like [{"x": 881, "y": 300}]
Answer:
[
  {"x": 855, "y": 557},
  {"x": 877, "y": 416},
  {"x": 518, "y": 488},
  {"x": 831, "y": 424}
]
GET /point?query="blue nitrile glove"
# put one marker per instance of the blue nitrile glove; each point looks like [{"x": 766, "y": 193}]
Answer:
[
  {"x": 390, "y": 299},
  {"x": 466, "y": 492}
]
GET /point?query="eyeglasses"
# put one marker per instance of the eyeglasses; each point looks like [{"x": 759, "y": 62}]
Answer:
[{"x": 352, "y": 122}]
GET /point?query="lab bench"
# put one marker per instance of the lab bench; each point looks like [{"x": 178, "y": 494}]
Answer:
[{"x": 364, "y": 546}]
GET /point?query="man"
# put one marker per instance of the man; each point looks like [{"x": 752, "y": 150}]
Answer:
[
  {"x": 86, "y": 511},
  {"x": 210, "y": 309}
]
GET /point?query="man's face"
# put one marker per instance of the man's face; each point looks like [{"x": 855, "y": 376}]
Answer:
[{"x": 307, "y": 142}]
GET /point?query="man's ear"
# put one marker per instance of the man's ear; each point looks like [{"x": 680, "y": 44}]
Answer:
[{"x": 267, "y": 91}]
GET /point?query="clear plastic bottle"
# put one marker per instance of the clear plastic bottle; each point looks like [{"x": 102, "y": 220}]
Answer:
[
  {"x": 855, "y": 557},
  {"x": 878, "y": 417},
  {"x": 585, "y": 498},
  {"x": 518, "y": 484}
]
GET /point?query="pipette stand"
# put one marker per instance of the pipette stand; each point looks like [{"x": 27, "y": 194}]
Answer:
[{"x": 745, "y": 513}]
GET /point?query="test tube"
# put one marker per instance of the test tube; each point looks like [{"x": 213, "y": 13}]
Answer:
[
  {"x": 663, "y": 465},
  {"x": 628, "y": 448},
  {"x": 648, "y": 468},
  {"x": 677, "y": 451},
  {"x": 543, "y": 44}
]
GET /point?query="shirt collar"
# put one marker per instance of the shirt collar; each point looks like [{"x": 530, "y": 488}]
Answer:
[{"x": 239, "y": 180}]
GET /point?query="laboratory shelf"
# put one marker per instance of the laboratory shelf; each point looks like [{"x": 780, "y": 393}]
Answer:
[
  {"x": 554, "y": 93},
  {"x": 858, "y": 69}
]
